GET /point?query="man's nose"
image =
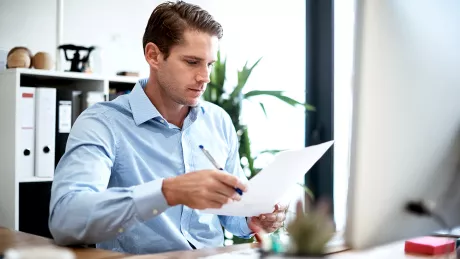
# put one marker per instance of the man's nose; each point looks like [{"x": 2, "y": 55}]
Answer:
[{"x": 204, "y": 76}]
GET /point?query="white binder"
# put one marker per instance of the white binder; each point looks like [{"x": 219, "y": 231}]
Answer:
[
  {"x": 26, "y": 133},
  {"x": 45, "y": 131}
]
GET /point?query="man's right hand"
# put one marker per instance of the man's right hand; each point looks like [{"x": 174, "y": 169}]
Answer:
[{"x": 202, "y": 189}]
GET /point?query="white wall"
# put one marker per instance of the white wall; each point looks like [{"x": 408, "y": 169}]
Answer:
[
  {"x": 29, "y": 23},
  {"x": 115, "y": 26}
]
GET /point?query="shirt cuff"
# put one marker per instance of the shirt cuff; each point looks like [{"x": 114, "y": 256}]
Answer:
[
  {"x": 149, "y": 199},
  {"x": 244, "y": 228}
]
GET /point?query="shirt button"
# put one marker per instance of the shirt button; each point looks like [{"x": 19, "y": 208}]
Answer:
[
  {"x": 155, "y": 212},
  {"x": 162, "y": 121},
  {"x": 120, "y": 230}
]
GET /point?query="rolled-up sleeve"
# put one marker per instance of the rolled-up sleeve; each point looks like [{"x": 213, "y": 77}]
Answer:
[{"x": 83, "y": 210}]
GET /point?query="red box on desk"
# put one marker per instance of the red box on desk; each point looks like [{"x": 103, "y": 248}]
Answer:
[{"x": 429, "y": 245}]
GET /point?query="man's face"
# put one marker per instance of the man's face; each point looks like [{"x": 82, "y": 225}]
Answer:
[{"x": 184, "y": 74}]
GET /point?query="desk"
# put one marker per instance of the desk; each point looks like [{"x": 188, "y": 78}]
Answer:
[
  {"x": 192, "y": 254},
  {"x": 391, "y": 251},
  {"x": 12, "y": 239}
]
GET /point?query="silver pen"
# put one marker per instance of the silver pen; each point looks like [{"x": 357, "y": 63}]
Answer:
[{"x": 216, "y": 165}]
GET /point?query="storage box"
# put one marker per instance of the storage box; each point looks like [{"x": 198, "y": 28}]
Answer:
[{"x": 430, "y": 245}]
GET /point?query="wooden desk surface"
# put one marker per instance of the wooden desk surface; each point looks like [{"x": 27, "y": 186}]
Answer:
[
  {"x": 192, "y": 254},
  {"x": 15, "y": 239},
  {"x": 391, "y": 251},
  {"x": 10, "y": 239}
]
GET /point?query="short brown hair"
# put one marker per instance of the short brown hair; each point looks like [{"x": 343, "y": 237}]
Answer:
[{"x": 169, "y": 20}]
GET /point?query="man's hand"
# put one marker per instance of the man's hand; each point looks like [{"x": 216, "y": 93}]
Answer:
[
  {"x": 272, "y": 221},
  {"x": 202, "y": 189}
]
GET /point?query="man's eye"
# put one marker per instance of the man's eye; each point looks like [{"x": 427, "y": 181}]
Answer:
[{"x": 191, "y": 62}]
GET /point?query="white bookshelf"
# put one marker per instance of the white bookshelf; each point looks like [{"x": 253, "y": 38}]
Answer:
[{"x": 10, "y": 125}]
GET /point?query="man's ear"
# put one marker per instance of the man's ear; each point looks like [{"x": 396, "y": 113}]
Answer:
[{"x": 153, "y": 55}]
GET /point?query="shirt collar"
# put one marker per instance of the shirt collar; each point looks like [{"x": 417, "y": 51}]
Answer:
[{"x": 143, "y": 109}]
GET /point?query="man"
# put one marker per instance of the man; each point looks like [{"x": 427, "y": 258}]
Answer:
[{"x": 133, "y": 178}]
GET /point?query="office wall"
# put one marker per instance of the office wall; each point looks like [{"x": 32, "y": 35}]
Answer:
[
  {"x": 28, "y": 23},
  {"x": 115, "y": 26}
]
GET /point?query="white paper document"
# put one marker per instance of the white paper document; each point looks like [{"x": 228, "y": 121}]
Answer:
[{"x": 274, "y": 182}]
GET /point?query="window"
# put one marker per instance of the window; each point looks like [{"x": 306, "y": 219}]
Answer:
[{"x": 344, "y": 16}]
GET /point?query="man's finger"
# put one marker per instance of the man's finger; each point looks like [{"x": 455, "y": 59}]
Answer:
[
  {"x": 255, "y": 220},
  {"x": 276, "y": 225},
  {"x": 220, "y": 198},
  {"x": 272, "y": 217},
  {"x": 280, "y": 207},
  {"x": 224, "y": 189},
  {"x": 268, "y": 217},
  {"x": 257, "y": 229},
  {"x": 231, "y": 181},
  {"x": 280, "y": 217},
  {"x": 266, "y": 226},
  {"x": 269, "y": 228}
]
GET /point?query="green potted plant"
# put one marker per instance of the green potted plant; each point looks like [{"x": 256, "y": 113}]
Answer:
[
  {"x": 307, "y": 234},
  {"x": 232, "y": 102},
  {"x": 310, "y": 232}
]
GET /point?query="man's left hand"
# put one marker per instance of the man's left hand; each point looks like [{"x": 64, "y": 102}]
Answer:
[{"x": 270, "y": 222}]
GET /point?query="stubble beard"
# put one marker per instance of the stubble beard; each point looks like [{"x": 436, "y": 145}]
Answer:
[{"x": 169, "y": 91}]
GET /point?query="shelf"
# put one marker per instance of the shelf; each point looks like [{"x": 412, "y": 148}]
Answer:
[
  {"x": 56, "y": 79},
  {"x": 20, "y": 189},
  {"x": 35, "y": 179},
  {"x": 40, "y": 73}
]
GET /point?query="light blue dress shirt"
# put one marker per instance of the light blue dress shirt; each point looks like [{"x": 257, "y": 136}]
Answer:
[{"x": 107, "y": 186}]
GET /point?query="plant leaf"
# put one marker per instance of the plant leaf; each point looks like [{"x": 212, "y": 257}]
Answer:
[
  {"x": 263, "y": 108},
  {"x": 246, "y": 72},
  {"x": 243, "y": 76},
  {"x": 308, "y": 191},
  {"x": 218, "y": 73},
  {"x": 262, "y": 92},
  {"x": 215, "y": 89},
  {"x": 280, "y": 96},
  {"x": 272, "y": 151}
]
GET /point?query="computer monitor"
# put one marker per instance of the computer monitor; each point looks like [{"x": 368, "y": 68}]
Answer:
[{"x": 405, "y": 143}]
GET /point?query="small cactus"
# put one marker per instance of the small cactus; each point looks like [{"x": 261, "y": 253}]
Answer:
[{"x": 310, "y": 232}]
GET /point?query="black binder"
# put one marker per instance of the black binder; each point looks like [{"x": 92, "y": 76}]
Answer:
[{"x": 67, "y": 111}]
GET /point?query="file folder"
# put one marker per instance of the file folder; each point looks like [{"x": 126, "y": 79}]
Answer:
[
  {"x": 90, "y": 98},
  {"x": 45, "y": 121},
  {"x": 67, "y": 110},
  {"x": 26, "y": 133}
]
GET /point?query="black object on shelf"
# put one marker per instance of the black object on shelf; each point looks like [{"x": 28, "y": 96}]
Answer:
[
  {"x": 77, "y": 63},
  {"x": 67, "y": 111},
  {"x": 34, "y": 202}
]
